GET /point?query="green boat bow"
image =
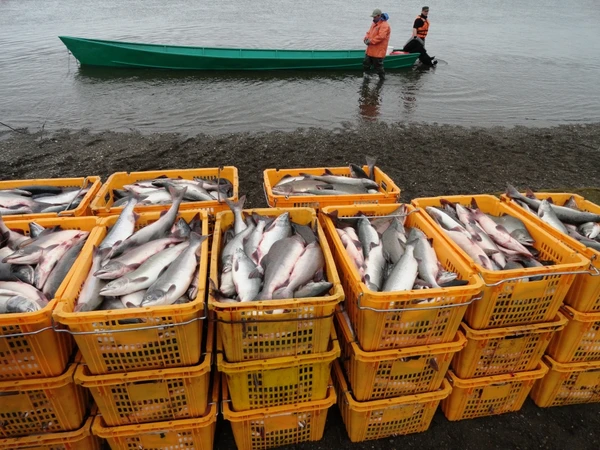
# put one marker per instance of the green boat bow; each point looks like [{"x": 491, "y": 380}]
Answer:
[{"x": 94, "y": 52}]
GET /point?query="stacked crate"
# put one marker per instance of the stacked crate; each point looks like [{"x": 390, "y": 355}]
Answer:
[
  {"x": 396, "y": 346},
  {"x": 574, "y": 353},
  {"x": 275, "y": 356},
  {"x": 40, "y": 404},
  {"x": 145, "y": 366},
  {"x": 509, "y": 329}
]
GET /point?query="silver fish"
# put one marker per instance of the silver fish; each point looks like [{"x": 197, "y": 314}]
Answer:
[
  {"x": 310, "y": 264},
  {"x": 246, "y": 286},
  {"x": 90, "y": 298},
  {"x": 124, "y": 226},
  {"x": 404, "y": 273},
  {"x": 61, "y": 269},
  {"x": 548, "y": 216},
  {"x": 279, "y": 263},
  {"x": 279, "y": 229}
]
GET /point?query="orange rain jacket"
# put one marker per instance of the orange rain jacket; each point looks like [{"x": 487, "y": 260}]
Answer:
[{"x": 379, "y": 34}]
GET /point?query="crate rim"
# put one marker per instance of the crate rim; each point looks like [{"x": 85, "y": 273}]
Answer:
[
  {"x": 267, "y": 412},
  {"x": 267, "y": 305},
  {"x": 64, "y": 317},
  {"x": 559, "y": 322},
  {"x": 588, "y": 252},
  {"x": 59, "y": 437},
  {"x": 96, "y": 209},
  {"x": 475, "y": 285},
  {"x": 369, "y": 405},
  {"x": 468, "y": 383},
  {"x": 570, "y": 366},
  {"x": 93, "y": 181},
  {"x": 33, "y": 384},
  {"x": 457, "y": 344},
  {"x": 572, "y": 314},
  {"x": 505, "y": 275}
]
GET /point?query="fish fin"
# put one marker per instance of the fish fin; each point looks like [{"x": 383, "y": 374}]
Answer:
[
  {"x": 163, "y": 212},
  {"x": 483, "y": 260},
  {"x": 328, "y": 172},
  {"x": 256, "y": 273},
  {"x": 319, "y": 275},
  {"x": 172, "y": 289},
  {"x": 530, "y": 194},
  {"x": 502, "y": 229},
  {"x": 131, "y": 305},
  {"x": 139, "y": 280},
  {"x": 490, "y": 251},
  {"x": 474, "y": 203},
  {"x": 550, "y": 200},
  {"x": 236, "y": 266},
  {"x": 445, "y": 202}
]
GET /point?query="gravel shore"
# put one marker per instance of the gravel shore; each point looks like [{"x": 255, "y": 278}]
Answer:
[{"x": 423, "y": 160}]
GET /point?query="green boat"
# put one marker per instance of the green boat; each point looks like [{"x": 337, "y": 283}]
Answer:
[{"x": 94, "y": 52}]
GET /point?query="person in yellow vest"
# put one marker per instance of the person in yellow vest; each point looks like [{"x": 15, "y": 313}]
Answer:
[
  {"x": 421, "y": 25},
  {"x": 376, "y": 40}
]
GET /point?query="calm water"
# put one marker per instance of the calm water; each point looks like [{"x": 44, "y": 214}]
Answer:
[{"x": 507, "y": 63}]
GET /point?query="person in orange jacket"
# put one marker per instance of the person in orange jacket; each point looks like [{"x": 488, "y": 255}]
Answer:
[{"x": 376, "y": 40}]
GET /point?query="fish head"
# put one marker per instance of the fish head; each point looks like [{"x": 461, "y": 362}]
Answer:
[
  {"x": 116, "y": 285},
  {"x": 114, "y": 268},
  {"x": 26, "y": 255},
  {"x": 154, "y": 297}
]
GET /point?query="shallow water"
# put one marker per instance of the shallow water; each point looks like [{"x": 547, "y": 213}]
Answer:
[{"x": 503, "y": 63}]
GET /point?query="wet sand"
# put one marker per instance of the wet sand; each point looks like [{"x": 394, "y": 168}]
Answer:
[{"x": 423, "y": 160}]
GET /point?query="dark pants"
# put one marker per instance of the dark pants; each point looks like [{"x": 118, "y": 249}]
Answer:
[
  {"x": 417, "y": 45},
  {"x": 377, "y": 64}
]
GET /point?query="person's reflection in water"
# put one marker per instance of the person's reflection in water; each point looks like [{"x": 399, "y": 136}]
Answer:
[{"x": 369, "y": 100}]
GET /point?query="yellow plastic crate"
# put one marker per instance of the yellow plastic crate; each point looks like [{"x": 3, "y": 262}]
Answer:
[
  {"x": 388, "y": 191},
  {"x": 81, "y": 439},
  {"x": 29, "y": 346},
  {"x": 391, "y": 373},
  {"x": 83, "y": 209},
  {"x": 584, "y": 294},
  {"x": 266, "y": 428},
  {"x": 489, "y": 396},
  {"x": 248, "y": 329},
  {"x": 43, "y": 405},
  {"x": 508, "y": 298},
  {"x": 377, "y": 419},
  {"x": 102, "y": 204},
  {"x": 504, "y": 350},
  {"x": 389, "y": 320},
  {"x": 159, "y": 337},
  {"x": 151, "y": 395},
  {"x": 579, "y": 341},
  {"x": 568, "y": 384},
  {"x": 278, "y": 381},
  {"x": 197, "y": 433}
]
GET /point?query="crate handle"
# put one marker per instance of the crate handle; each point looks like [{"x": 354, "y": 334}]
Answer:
[
  {"x": 267, "y": 197},
  {"x": 456, "y": 305},
  {"x": 225, "y": 400},
  {"x": 391, "y": 216},
  {"x": 153, "y": 327},
  {"x": 256, "y": 321},
  {"x": 66, "y": 212},
  {"x": 28, "y": 333},
  {"x": 594, "y": 272}
]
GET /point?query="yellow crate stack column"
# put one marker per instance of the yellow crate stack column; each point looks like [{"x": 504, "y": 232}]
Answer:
[
  {"x": 509, "y": 329},
  {"x": 148, "y": 367},
  {"x": 275, "y": 356},
  {"x": 396, "y": 346},
  {"x": 574, "y": 352}
]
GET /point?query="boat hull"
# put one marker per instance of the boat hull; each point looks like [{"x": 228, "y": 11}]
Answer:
[{"x": 92, "y": 52}]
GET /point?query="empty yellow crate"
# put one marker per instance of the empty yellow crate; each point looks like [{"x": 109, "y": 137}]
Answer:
[
  {"x": 377, "y": 419},
  {"x": 390, "y": 373},
  {"x": 278, "y": 381},
  {"x": 249, "y": 330},
  {"x": 43, "y": 405},
  {"x": 389, "y": 320},
  {"x": 83, "y": 209},
  {"x": 29, "y": 346},
  {"x": 102, "y": 205},
  {"x": 388, "y": 191},
  {"x": 504, "y": 350},
  {"x": 579, "y": 341},
  {"x": 584, "y": 294},
  {"x": 151, "y": 395},
  {"x": 81, "y": 439},
  {"x": 197, "y": 433},
  {"x": 266, "y": 428},
  {"x": 143, "y": 338},
  {"x": 508, "y": 297},
  {"x": 489, "y": 396},
  {"x": 568, "y": 384}
]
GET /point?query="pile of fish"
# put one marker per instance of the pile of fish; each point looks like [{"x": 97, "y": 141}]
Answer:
[
  {"x": 495, "y": 243},
  {"x": 33, "y": 267},
  {"x": 40, "y": 199},
  {"x": 359, "y": 183},
  {"x": 156, "y": 191},
  {"x": 266, "y": 258},
  {"x": 388, "y": 256},
  {"x": 568, "y": 218},
  {"x": 156, "y": 265}
]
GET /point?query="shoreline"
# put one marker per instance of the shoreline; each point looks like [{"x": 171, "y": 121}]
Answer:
[{"x": 423, "y": 160}]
